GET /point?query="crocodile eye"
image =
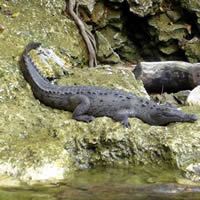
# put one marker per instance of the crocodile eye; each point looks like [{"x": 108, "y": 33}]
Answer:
[{"x": 101, "y": 100}]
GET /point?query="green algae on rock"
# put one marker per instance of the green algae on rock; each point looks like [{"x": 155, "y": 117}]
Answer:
[
  {"x": 105, "y": 52},
  {"x": 50, "y": 145},
  {"x": 52, "y": 28},
  {"x": 39, "y": 143},
  {"x": 192, "y": 50},
  {"x": 111, "y": 33},
  {"x": 36, "y": 147},
  {"x": 167, "y": 30}
]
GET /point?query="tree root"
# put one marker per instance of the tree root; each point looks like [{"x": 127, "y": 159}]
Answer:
[{"x": 86, "y": 34}]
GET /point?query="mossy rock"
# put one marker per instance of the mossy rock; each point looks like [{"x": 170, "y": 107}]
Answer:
[
  {"x": 105, "y": 52},
  {"x": 144, "y": 7},
  {"x": 39, "y": 143},
  {"x": 192, "y": 50},
  {"x": 166, "y": 29}
]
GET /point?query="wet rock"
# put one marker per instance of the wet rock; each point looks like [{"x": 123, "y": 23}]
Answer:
[{"x": 128, "y": 183}]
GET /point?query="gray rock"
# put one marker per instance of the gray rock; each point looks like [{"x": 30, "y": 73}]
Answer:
[
  {"x": 105, "y": 52},
  {"x": 194, "y": 97}
]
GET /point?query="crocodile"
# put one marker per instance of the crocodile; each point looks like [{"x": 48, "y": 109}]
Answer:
[{"x": 87, "y": 102}]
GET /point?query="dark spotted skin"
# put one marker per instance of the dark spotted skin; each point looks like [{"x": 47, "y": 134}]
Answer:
[{"x": 88, "y": 102}]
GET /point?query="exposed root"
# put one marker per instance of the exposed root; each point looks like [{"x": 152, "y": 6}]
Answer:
[{"x": 89, "y": 39}]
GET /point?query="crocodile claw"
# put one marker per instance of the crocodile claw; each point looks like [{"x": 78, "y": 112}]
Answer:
[{"x": 126, "y": 124}]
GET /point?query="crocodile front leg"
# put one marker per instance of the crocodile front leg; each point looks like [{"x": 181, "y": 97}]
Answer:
[
  {"x": 82, "y": 103},
  {"x": 122, "y": 117}
]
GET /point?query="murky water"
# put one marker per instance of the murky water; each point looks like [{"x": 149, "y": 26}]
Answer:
[{"x": 111, "y": 184}]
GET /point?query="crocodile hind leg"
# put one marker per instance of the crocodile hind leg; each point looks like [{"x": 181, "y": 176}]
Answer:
[
  {"x": 122, "y": 117},
  {"x": 82, "y": 103}
]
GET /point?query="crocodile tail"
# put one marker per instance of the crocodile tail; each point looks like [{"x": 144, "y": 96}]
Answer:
[{"x": 30, "y": 46}]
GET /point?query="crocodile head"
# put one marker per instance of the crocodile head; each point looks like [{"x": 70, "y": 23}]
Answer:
[{"x": 165, "y": 114}]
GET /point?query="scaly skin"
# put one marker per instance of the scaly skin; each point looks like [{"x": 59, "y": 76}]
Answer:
[{"x": 88, "y": 102}]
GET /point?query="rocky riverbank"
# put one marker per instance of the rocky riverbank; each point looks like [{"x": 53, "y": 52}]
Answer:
[{"x": 40, "y": 143}]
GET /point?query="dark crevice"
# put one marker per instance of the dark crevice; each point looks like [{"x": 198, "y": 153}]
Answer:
[
  {"x": 138, "y": 31},
  {"x": 190, "y": 18}
]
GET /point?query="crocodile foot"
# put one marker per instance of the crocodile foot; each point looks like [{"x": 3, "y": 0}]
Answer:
[{"x": 126, "y": 124}]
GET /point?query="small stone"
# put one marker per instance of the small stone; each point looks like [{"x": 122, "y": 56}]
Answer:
[
  {"x": 194, "y": 97},
  {"x": 2, "y": 28}
]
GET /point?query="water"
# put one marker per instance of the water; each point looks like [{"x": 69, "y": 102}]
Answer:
[{"x": 110, "y": 184}]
